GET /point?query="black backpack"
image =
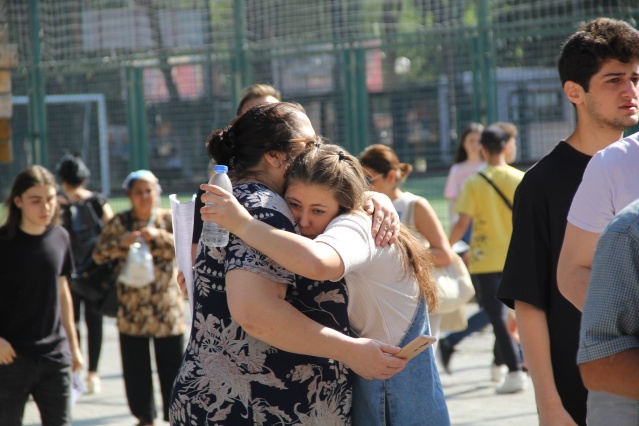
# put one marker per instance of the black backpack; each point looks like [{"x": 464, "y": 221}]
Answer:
[{"x": 84, "y": 223}]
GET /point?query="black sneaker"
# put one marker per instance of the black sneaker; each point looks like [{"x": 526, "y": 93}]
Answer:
[{"x": 445, "y": 353}]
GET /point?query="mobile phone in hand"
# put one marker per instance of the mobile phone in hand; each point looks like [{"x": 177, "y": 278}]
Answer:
[{"x": 416, "y": 346}]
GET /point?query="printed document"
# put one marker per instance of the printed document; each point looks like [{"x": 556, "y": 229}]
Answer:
[{"x": 182, "y": 233}]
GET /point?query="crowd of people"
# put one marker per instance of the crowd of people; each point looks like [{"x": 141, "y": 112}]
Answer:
[{"x": 332, "y": 268}]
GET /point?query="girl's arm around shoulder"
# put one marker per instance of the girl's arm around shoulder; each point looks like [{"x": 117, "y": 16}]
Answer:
[
  {"x": 385, "y": 223},
  {"x": 294, "y": 252}
]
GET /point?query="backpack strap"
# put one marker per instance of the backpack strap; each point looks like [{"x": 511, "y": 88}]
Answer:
[
  {"x": 97, "y": 201},
  {"x": 90, "y": 204},
  {"x": 501, "y": 194}
]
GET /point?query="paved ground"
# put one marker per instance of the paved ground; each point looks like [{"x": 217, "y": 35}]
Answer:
[{"x": 469, "y": 392}]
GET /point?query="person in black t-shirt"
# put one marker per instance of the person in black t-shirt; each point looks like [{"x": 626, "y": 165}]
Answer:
[
  {"x": 75, "y": 202},
  {"x": 36, "y": 313},
  {"x": 594, "y": 69}
]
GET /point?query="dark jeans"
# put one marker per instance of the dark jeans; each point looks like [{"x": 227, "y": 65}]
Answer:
[
  {"x": 93, "y": 320},
  {"x": 50, "y": 384},
  {"x": 477, "y": 322},
  {"x": 506, "y": 347},
  {"x": 137, "y": 372}
]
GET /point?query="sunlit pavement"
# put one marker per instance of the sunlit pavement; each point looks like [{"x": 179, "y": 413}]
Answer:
[{"x": 469, "y": 392}]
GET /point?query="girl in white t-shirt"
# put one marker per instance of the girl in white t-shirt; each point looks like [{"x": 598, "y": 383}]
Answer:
[{"x": 391, "y": 289}]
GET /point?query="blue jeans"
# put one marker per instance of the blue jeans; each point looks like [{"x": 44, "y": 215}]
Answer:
[
  {"x": 413, "y": 396},
  {"x": 48, "y": 381}
]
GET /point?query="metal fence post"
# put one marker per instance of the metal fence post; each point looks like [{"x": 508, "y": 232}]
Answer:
[
  {"x": 487, "y": 63},
  {"x": 37, "y": 111},
  {"x": 361, "y": 101},
  {"x": 136, "y": 119},
  {"x": 239, "y": 62},
  {"x": 355, "y": 100}
]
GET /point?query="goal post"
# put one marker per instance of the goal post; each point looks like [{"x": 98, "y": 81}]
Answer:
[{"x": 88, "y": 99}]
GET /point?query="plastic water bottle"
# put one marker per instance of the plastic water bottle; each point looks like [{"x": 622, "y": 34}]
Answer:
[{"x": 214, "y": 235}]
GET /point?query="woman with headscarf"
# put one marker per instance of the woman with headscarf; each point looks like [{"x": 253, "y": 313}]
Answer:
[{"x": 153, "y": 311}]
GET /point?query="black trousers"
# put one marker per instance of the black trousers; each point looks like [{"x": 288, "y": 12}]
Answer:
[
  {"x": 49, "y": 382},
  {"x": 506, "y": 350},
  {"x": 137, "y": 372},
  {"x": 93, "y": 320}
]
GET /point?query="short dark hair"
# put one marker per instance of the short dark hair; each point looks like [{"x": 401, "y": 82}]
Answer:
[
  {"x": 494, "y": 139},
  {"x": 257, "y": 91},
  {"x": 72, "y": 170},
  {"x": 584, "y": 53}
]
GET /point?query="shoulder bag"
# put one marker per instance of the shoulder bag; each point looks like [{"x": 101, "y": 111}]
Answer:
[{"x": 454, "y": 286}]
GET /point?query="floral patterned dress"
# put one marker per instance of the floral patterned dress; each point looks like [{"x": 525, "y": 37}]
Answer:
[{"x": 230, "y": 378}]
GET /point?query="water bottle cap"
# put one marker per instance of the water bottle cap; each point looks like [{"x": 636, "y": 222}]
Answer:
[{"x": 221, "y": 169}]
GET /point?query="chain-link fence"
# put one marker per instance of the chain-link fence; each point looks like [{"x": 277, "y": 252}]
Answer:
[{"x": 142, "y": 82}]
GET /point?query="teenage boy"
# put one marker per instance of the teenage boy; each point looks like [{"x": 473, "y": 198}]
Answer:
[
  {"x": 486, "y": 200},
  {"x": 38, "y": 341},
  {"x": 597, "y": 67}
]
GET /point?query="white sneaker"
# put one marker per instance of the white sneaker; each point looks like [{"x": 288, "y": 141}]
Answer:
[
  {"x": 498, "y": 372},
  {"x": 93, "y": 385},
  {"x": 514, "y": 382}
]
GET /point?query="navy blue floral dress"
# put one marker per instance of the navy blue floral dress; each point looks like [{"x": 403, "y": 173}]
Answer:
[{"x": 230, "y": 378}]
